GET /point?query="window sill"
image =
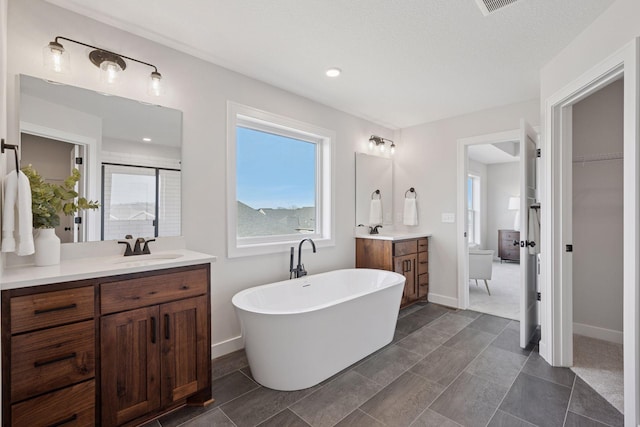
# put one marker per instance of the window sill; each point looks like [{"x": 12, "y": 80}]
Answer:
[{"x": 275, "y": 247}]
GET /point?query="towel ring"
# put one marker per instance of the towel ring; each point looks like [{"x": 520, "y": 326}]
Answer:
[
  {"x": 378, "y": 193},
  {"x": 411, "y": 190},
  {"x": 5, "y": 146}
]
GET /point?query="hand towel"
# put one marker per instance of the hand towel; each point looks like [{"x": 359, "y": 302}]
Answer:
[
  {"x": 17, "y": 199},
  {"x": 534, "y": 230},
  {"x": 375, "y": 212},
  {"x": 410, "y": 211}
]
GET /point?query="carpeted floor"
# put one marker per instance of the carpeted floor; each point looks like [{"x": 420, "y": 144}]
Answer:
[
  {"x": 504, "y": 300},
  {"x": 599, "y": 364}
]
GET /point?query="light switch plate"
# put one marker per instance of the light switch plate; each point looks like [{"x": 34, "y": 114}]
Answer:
[{"x": 448, "y": 217}]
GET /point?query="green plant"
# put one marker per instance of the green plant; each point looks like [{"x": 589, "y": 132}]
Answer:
[{"x": 49, "y": 200}]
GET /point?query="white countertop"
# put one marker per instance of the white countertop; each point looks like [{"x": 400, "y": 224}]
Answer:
[
  {"x": 399, "y": 235},
  {"x": 89, "y": 268}
]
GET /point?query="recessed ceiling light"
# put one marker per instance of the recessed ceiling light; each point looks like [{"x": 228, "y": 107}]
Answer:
[
  {"x": 145, "y": 139},
  {"x": 333, "y": 72}
]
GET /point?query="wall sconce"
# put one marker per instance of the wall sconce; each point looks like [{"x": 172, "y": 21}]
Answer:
[
  {"x": 378, "y": 141},
  {"x": 56, "y": 59}
]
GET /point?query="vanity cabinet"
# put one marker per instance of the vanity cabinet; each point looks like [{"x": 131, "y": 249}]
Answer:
[
  {"x": 409, "y": 257},
  {"x": 112, "y": 351}
]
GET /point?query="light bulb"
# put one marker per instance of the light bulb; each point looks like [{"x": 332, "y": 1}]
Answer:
[
  {"x": 55, "y": 58},
  {"x": 109, "y": 71},
  {"x": 155, "y": 86},
  {"x": 371, "y": 144},
  {"x": 393, "y": 148},
  {"x": 382, "y": 147}
]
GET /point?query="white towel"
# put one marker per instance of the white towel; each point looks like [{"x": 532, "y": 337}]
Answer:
[
  {"x": 534, "y": 230},
  {"x": 17, "y": 200},
  {"x": 375, "y": 212},
  {"x": 410, "y": 211}
]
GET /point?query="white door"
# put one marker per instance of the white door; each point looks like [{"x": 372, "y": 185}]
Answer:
[{"x": 528, "y": 294}]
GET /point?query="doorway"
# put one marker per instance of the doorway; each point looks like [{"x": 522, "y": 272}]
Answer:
[
  {"x": 493, "y": 224},
  {"x": 559, "y": 235}
]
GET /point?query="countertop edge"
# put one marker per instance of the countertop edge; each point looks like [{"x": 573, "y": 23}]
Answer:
[
  {"x": 393, "y": 238},
  {"x": 92, "y": 268}
]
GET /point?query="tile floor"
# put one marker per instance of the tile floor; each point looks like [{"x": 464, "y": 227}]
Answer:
[{"x": 443, "y": 368}]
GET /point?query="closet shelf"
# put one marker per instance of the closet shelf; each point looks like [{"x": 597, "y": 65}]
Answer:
[{"x": 598, "y": 157}]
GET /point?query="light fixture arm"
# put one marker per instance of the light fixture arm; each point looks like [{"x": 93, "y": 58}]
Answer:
[{"x": 107, "y": 51}]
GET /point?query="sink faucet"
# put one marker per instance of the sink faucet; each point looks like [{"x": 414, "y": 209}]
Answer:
[
  {"x": 138, "y": 249},
  {"x": 374, "y": 229},
  {"x": 299, "y": 270}
]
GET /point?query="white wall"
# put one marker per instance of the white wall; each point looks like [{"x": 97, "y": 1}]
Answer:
[
  {"x": 503, "y": 182},
  {"x": 427, "y": 161},
  {"x": 597, "y": 211},
  {"x": 480, "y": 170},
  {"x": 200, "y": 90}
]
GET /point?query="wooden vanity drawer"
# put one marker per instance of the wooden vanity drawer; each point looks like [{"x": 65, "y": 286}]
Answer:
[
  {"x": 423, "y": 285},
  {"x": 48, "y": 309},
  {"x": 149, "y": 290},
  {"x": 52, "y": 358},
  {"x": 71, "y": 406},
  {"x": 423, "y": 245},
  {"x": 423, "y": 262},
  {"x": 405, "y": 248}
]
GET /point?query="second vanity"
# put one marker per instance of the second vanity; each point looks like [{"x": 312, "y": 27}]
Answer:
[
  {"x": 108, "y": 342},
  {"x": 407, "y": 254}
]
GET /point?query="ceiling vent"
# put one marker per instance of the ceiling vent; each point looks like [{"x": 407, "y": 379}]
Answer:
[{"x": 490, "y": 6}]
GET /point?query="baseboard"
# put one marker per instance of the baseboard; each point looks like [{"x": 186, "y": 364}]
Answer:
[
  {"x": 443, "y": 300},
  {"x": 598, "y": 333},
  {"x": 226, "y": 347}
]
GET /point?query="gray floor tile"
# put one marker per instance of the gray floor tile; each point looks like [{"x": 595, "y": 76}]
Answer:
[
  {"x": 470, "y": 400},
  {"x": 403, "y": 400},
  {"x": 537, "y": 401},
  {"x": 388, "y": 365},
  {"x": 497, "y": 365},
  {"x": 468, "y": 313},
  {"x": 443, "y": 365},
  {"x": 211, "y": 418},
  {"x": 184, "y": 414},
  {"x": 470, "y": 340},
  {"x": 435, "y": 310},
  {"x": 154, "y": 423},
  {"x": 432, "y": 419},
  {"x": 260, "y": 404},
  {"x": 408, "y": 310},
  {"x": 228, "y": 363},
  {"x": 509, "y": 340},
  {"x": 335, "y": 400},
  {"x": 450, "y": 323},
  {"x": 490, "y": 324},
  {"x": 414, "y": 321},
  {"x": 587, "y": 402},
  {"x": 359, "y": 419},
  {"x": 285, "y": 418},
  {"x": 538, "y": 367},
  {"x": 423, "y": 341},
  {"x": 502, "y": 419},
  {"x": 231, "y": 386},
  {"x": 575, "y": 420}
]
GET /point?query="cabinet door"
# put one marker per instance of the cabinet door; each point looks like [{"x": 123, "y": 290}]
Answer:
[
  {"x": 406, "y": 265},
  {"x": 185, "y": 357},
  {"x": 130, "y": 369}
]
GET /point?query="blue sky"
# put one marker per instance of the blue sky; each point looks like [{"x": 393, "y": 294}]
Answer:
[{"x": 274, "y": 171}]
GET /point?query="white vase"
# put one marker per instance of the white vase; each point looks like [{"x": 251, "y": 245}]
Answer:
[{"x": 47, "y": 246}]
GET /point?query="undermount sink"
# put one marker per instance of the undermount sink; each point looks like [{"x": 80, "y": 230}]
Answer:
[{"x": 146, "y": 259}]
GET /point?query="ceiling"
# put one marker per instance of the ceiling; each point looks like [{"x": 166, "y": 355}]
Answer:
[
  {"x": 404, "y": 62},
  {"x": 490, "y": 154}
]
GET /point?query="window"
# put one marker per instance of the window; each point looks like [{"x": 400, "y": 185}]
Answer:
[
  {"x": 473, "y": 209},
  {"x": 140, "y": 200},
  {"x": 279, "y": 182}
]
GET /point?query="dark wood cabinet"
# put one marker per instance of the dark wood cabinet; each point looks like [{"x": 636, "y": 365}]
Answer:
[
  {"x": 113, "y": 351},
  {"x": 407, "y": 257},
  {"x": 507, "y": 251}
]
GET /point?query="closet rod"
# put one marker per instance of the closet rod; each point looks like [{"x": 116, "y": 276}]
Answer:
[{"x": 598, "y": 157}]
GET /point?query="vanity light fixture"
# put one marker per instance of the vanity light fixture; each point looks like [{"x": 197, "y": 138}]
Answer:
[
  {"x": 378, "y": 141},
  {"x": 111, "y": 64}
]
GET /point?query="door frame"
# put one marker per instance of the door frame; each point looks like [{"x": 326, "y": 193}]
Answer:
[
  {"x": 462, "y": 171},
  {"x": 557, "y": 309}
]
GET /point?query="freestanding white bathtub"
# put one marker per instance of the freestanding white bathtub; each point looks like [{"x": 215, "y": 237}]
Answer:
[{"x": 300, "y": 332}]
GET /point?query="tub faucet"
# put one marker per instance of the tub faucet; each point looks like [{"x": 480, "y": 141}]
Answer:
[{"x": 299, "y": 270}]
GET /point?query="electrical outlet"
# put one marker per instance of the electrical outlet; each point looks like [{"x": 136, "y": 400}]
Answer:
[{"x": 448, "y": 217}]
